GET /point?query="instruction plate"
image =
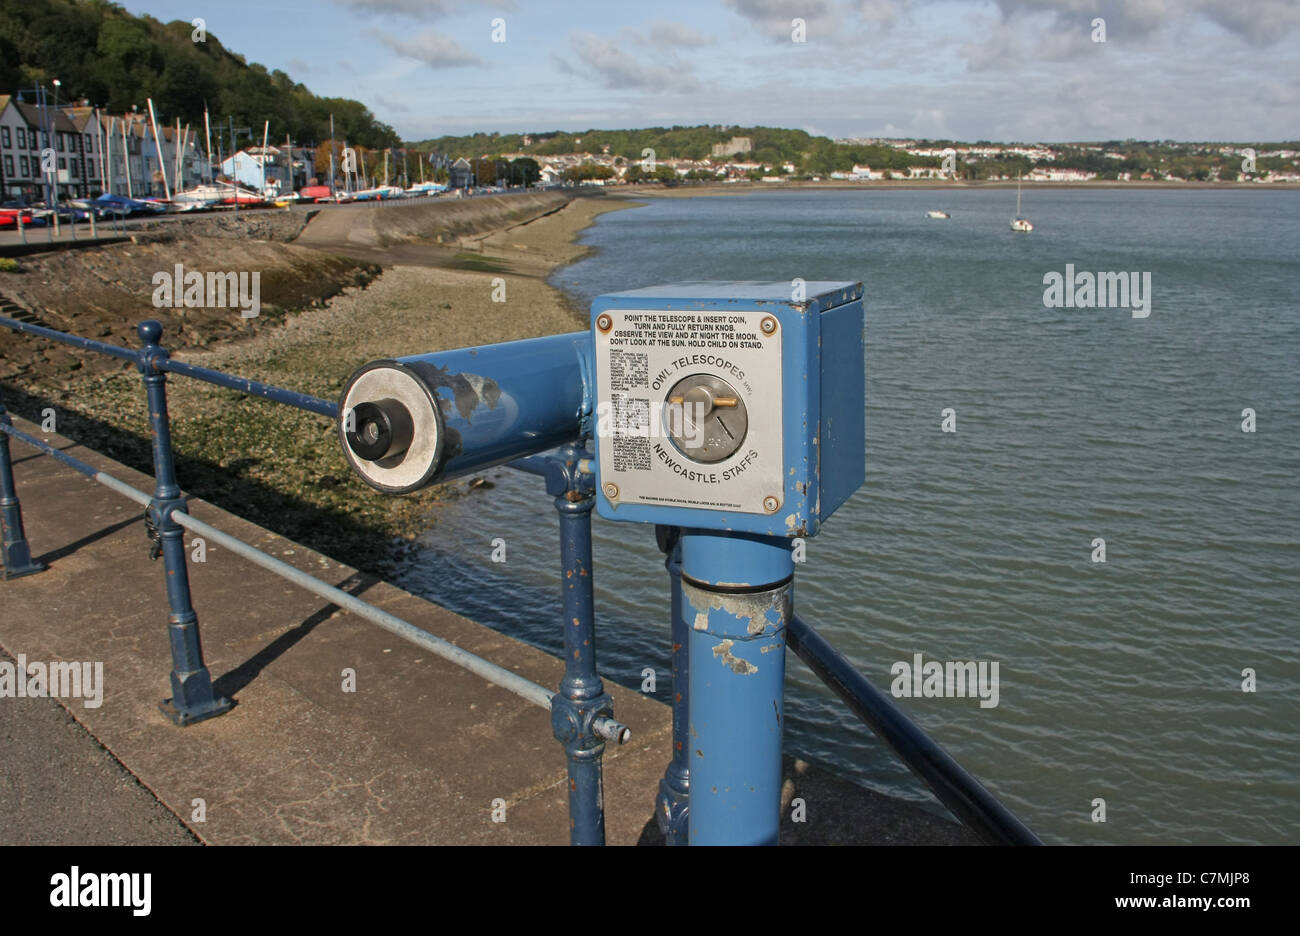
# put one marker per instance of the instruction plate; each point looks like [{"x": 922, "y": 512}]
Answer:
[{"x": 644, "y": 357}]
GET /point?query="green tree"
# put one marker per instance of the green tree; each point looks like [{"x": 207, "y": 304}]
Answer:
[
  {"x": 524, "y": 171},
  {"x": 101, "y": 52}
]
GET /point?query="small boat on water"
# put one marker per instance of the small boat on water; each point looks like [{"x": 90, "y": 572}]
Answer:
[
  {"x": 937, "y": 214},
  {"x": 1018, "y": 224}
]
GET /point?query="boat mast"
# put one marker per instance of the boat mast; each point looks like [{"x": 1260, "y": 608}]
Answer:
[
  {"x": 157, "y": 144},
  {"x": 107, "y": 153},
  {"x": 207, "y": 135},
  {"x": 126, "y": 154},
  {"x": 99, "y": 145},
  {"x": 266, "y": 138}
]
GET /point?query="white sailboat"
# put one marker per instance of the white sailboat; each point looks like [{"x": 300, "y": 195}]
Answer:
[
  {"x": 202, "y": 196},
  {"x": 1018, "y": 224}
]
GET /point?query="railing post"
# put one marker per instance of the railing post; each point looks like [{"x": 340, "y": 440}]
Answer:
[
  {"x": 672, "y": 805},
  {"x": 15, "y": 552},
  {"x": 581, "y": 712},
  {"x": 737, "y": 676},
  {"x": 192, "y": 696}
]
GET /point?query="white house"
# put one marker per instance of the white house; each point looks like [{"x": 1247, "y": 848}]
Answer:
[
  {"x": 1059, "y": 175},
  {"x": 259, "y": 170},
  {"x": 25, "y": 130}
]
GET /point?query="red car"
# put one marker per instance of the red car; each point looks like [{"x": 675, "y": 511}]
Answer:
[{"x": 9, "y": 217}]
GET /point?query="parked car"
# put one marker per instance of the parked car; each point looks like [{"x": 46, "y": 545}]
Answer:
[
  {"x": 321, "y": 193},
  {"x": 70, "y": 213},
  {"x": 9, "y": 217}
]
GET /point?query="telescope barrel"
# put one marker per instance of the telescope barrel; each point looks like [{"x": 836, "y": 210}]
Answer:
[{"x": 413, "y": 421}]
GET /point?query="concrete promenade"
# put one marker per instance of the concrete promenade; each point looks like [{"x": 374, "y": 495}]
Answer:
[{"x": 416, "y": 755}]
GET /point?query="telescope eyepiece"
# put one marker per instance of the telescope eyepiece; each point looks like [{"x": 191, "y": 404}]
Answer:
[{"x": 380, "y": 430}]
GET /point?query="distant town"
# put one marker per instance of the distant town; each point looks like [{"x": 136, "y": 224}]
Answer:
[
  {"x": 989, "y": 162},
  {"x": 772, "y": 155},
  {"x": 143, "y": 155}
]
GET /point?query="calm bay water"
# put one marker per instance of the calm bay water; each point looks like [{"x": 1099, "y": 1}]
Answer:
[{"x": 1119, "y": 680}]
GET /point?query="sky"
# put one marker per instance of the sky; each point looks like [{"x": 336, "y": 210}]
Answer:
[{"x": 1001, "y": 70}]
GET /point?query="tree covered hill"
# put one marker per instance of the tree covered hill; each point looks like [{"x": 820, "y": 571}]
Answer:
[
  {"x": 771, "y": 145},
  {"x": 103, "y": 53},
  {"x": 815, "y": 155}
]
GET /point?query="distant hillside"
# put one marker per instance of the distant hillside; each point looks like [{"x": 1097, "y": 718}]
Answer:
[
  {"x": 102, "y": 53},
  {"x": 771, "y": 145},
  {"x": 815, "y": 155}
]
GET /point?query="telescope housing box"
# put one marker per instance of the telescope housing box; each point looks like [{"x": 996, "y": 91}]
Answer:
[{"x": 730, "y": 406}]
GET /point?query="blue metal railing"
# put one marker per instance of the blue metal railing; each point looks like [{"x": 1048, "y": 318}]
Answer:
[{"x": 581, "y": 712}]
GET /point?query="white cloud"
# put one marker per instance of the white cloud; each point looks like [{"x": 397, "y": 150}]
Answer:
[
  {"x": 878, "y": 13},
  {"x": 1260, "y": 22},
  {"x": 419, "y": 9},
  {"x": 430, "y": 48},
  {"x": 775, "y": 17},
  {"x": 670, "y": 34},
  {"x": 605, "y": 61}
]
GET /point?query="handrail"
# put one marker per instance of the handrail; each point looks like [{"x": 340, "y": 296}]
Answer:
[
  {"x": 117, "y": 351},
  {"x": 77, "y": 464},
  {"x": 497, "y": 675},
  {"x": 958, "y": 790},
  {"x": 302, "y": 401},
  {"x": 581, "y": 711}
]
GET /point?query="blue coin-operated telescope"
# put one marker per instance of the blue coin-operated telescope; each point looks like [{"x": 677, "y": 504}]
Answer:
[
  {"x": 731, "y": 414},
  {"x": 733, "y": 411}
]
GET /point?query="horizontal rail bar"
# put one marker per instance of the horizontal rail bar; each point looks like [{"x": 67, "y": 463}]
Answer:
[
  {"x": 533, "y": 464},
  {"x": 498, "y": 675},
  {"x": 126, "y": 354},
  {"x": 302, "y": 401},
  {"x": 968, "y": 799},
  {"x": 493, "y": 673},
  {"x": 90, "y": 471}
]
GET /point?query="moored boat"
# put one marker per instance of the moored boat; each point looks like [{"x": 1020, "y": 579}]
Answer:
[{"x": 1018, "y": 224}]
